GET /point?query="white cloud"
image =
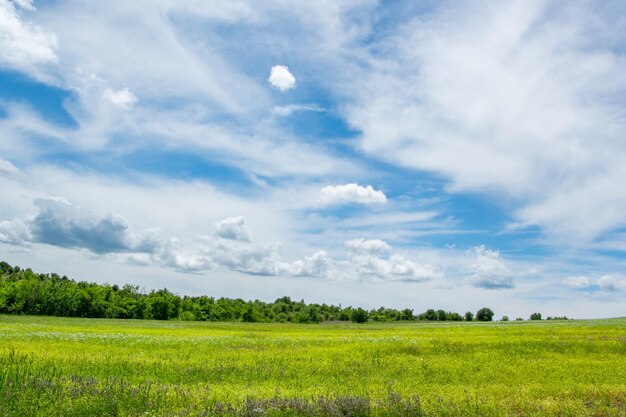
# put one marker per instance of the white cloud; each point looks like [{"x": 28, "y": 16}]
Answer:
[
  {"x": 233, "y": 228},
  {"x": 15, "y": 232},
  {"x": 123, "y": 98},
  {"x": 317, "y": 265},
  {"x": 612, "y": 283},
  {"x": 281, "y": 79},
  {"x": 23, "y": 45},
  {"x": 514, "y": 100},
  {"x": 488, "y": 270},
  {"x": 7, "y": 168},
  {"x": 172, "y": 255},
  {"x": 580, "y": 281},
  {"x": 350, "y": 194},
  {"x": 60, "y": 223},
  {"x": 368, "y": 246},
  {"x": 288, "y": 110},
  {"x": 369, "y": 258},
  {"x": 25, "y": 4}
]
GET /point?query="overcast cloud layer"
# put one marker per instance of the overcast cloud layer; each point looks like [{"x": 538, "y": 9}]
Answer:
[{"x": 424, "y": 155}]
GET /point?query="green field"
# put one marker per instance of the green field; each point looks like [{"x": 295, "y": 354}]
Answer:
[{"x": 65, "y": 367}]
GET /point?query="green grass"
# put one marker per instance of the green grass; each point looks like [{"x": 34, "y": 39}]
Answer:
[{"x": 69, "y": 367}]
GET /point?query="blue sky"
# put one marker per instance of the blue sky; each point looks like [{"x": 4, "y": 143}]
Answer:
[{"x": 441, "y": 155}]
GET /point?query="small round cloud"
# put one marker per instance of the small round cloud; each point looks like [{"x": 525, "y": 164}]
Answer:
[
  {"x": 281, "y": 79},
  {"x": 123, "y": 98}
]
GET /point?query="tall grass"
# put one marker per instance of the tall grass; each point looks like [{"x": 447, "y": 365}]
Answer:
[{"x": 92, "y": 367}]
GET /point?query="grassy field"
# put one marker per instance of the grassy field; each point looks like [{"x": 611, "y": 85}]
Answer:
[{"x": 66, "y": 367}]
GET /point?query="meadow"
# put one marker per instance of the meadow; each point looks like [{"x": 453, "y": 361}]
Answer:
[{"x": 52, "y": 366}]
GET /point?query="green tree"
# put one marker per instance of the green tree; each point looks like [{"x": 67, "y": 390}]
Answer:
[
  {"x": 430, "y": 314},
  {"x": 484, "y": 314},
  {"x": 535, "y": 316},
  {"x": 469, "y": 316},
  {"x": 407, "y": 314},
  {"x": 359, "y": 315},
  {"x": 249, "y": 315}
]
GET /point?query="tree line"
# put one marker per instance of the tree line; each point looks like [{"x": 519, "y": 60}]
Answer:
[{"x": 23, "y": 291}]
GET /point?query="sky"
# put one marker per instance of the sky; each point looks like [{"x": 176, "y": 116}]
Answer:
[{"x": 432, "y": 154}]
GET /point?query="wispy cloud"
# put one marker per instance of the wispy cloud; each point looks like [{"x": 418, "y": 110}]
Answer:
[
  {"x": 24, "y": 45},
  {"x": 288, "y": 110}
]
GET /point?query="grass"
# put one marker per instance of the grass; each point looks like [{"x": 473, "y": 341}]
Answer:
[{"x": 88, "y": 367}]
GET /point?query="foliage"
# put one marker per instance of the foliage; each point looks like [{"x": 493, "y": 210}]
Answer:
[
  {"x": 484, "y": 314},
  {"x": 359, "y": 315},
  {"x": 24, "y": 292},
  {"x": 535, "y": 316}
]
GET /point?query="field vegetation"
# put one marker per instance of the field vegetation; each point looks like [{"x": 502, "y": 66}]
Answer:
[{"x": 51, "y": 366}]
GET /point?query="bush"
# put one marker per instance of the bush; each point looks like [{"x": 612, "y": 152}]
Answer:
[{"x": 504, "y": 318}]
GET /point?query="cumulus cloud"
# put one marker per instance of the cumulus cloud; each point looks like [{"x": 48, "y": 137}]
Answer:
[
  {"x": 351, "y": 194},
  {"x": 317, "y": 265},
  {"x": 172, "y": 254},
  {"x": 281, "y": 79},
  {"x": 256, "y": 258},
  {"x": 288, "y": 110},
  {"x": 123, "y": 98},
  {"x": 580, "y": 281},
  {"x": 15, "y": 232},
  {"x": 612, "y": 283},
  {"x": 23, "y": 45},
  {"x": 233, "y": 228},
  {"x": 60, "y": 223},
  {"x": 488, "y": 269},
  {"x": 368, "y": 246},
  {"x": 370, "y": 259}
]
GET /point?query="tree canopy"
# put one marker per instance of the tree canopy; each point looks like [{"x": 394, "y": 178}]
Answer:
[{"x": 23, "y": 291}]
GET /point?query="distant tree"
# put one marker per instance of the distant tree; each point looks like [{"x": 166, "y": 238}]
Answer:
[
  {"x": 359, "y": 315},
  {"x": 442, "y": 315},
  {"x": 484, "y": 314},
  {"x": 163, "y": 305},
  {"x": 535, "y": 316},
  {"x": 504, "y": 318},
  {"x": 455, "y": 317},
  {"x": 519, "y": 319},
  {"x": 469, "y": 316},
  {"x": 430, "y": 315},
  {"x": 249, "y": 315},
  {"x": 407, "y": 314}
]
